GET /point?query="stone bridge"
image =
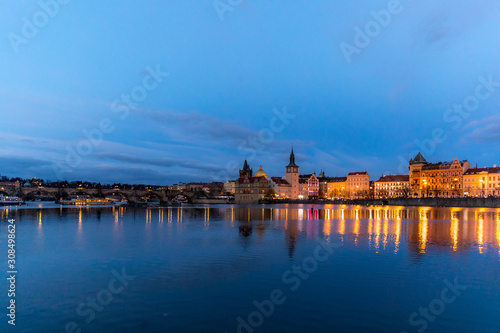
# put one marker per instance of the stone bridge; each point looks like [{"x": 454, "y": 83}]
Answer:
[{"x": 132, "y": 196}]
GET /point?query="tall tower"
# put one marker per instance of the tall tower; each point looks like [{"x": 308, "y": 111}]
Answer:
[
  {"x": 292, "y": 176},
  {"x": 416, "y": 165},
  {"x": 246, "y": 171}
]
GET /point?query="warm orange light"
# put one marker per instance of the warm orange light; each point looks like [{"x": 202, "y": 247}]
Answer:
[
  {"x": 423, "y": 228},
  {"x": 398, "y": 235},
  {"x": 498, "y": 232},
  {"x": 480, "y": 233},
  {"x": 454, "y": 231}
]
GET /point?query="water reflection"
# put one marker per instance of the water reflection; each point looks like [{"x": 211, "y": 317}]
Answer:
[
  {"x": 421, "y": 230},
  {"x": 498, "y": 232}
]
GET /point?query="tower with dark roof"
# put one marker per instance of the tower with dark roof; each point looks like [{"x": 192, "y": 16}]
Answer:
[
  {"x": 246, "y": 171},
  {"x": 292, "y": 176}
]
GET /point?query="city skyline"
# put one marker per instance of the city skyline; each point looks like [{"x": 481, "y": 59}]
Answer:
[{"x": 346, "y": 98}]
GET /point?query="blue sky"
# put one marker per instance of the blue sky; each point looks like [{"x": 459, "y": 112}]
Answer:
[{"x": 225, "y": 78}]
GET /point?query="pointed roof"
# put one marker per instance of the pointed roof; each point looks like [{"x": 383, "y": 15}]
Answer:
[
  {"x": 292, "y": 160},
  {"x": 246, "y": 167},
  {"x": 419, "y": 158}
]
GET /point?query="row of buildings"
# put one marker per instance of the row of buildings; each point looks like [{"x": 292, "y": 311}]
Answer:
[{"x": 425, "y": 179}]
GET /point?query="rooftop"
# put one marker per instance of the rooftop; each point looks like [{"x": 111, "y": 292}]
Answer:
[
  {"x": 475, "y": 171},
  {"x": 394, "y": 178},
  {"x": 358, "y": 173}
]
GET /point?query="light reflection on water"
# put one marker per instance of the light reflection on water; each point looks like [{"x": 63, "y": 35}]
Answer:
[
  {"x": 192, "y": 262},
  {"x": 381, "y": 226}
]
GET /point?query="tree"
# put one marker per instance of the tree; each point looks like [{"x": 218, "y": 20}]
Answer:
[
  {"x": 270, "y": 194},
  {"x": 382, "y": 193},
  {"x": 406, "y": 191}
]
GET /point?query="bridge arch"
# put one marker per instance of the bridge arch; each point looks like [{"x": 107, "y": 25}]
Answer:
[
  {"x": 116, "y": 192},
  {"x": 39, "y": 192}
]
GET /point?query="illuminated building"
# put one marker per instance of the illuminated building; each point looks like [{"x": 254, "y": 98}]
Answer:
[
  {"x": 292, "y": 176},
  {"x": 310, "y": 186},
  {"x": 393, "y": 186},
  {"x": 229, "y": 186},
  {"x": 358, "y": 185},
  {"x": 336, "y": 187},
  {"x": 482, "y": 182},
  {"x": 249, "y": 189},
  {"x": 442, "y": 179},
  {"x": 280, "y": 187}
]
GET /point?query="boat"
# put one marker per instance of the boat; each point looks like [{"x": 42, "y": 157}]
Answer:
[
  {"x": 10, "y": 200},
  {"x": 86, "y": 201},
  {"x": 118, "y": 201}
]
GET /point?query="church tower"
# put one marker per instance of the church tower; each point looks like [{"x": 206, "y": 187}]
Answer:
[
  {"x": 292, "y": 176},
  {"x": 246, "y": 171}
]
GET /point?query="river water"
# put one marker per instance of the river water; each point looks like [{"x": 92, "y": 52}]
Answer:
[{"x": 287, "y": 268}]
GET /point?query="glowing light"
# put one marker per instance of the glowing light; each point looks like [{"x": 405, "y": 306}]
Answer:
[
  {"x": 398, "y": 235},
  {"x": 480, "y": 233},
  {"x": 385, "y": 232},
  {"x": 498, "y": 232},
  {"x": 327, "y": 227},
  {"x": 454, "y": 231},
  {"x": 80, "y": 220},
  {"x": 207, "y": 217},
  {"x": 377, "y": 235},
  {"x": 342, "y": 227},
  {"x": 423, "y": 229}
]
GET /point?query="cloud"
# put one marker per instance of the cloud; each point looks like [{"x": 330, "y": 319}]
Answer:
[
  {"x": 486, "y": 130},
  {"x": 192, "y": 125},
  {"x": 160, "y": 162},
  {"x": 11, "y": 165}
]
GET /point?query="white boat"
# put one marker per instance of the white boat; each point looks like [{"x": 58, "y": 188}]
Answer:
[{"x": 10, "y": 201}]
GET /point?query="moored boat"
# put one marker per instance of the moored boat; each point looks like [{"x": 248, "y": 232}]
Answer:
[
  {"x": 10, "y": 200},
  {"x": 86, "y": 201}
]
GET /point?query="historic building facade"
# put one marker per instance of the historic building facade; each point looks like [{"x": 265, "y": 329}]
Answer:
[
  {"x": 442, "y": 179},
  {"x": 482, "y": 182},
  {"x": 358, "y": 185},
  {"x": 336, "y": 187},
  {"x": 292, "y": 176},
  {"x": 393, "y": 186},
  {"x": 251, "y": 188}
]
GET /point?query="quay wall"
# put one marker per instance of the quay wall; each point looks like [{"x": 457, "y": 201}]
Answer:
[{"x": 418, "y": 202}]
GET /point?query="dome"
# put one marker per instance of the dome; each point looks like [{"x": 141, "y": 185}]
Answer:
[{"x": 260, "y": 173}]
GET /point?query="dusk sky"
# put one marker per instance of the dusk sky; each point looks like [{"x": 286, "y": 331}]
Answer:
[{"x": 230, "y": 71}]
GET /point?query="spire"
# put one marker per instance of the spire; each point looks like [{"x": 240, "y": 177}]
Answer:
[
  {"x": 246, "y": 167},
  {"x": 292, "y": 160},
  {"x": 246, "y": 171}
]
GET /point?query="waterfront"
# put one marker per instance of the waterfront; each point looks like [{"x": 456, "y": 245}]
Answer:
[{"x": 200, "y": 268}]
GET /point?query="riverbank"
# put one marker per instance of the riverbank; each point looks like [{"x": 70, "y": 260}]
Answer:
[{"x": 415, "y": 202}]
